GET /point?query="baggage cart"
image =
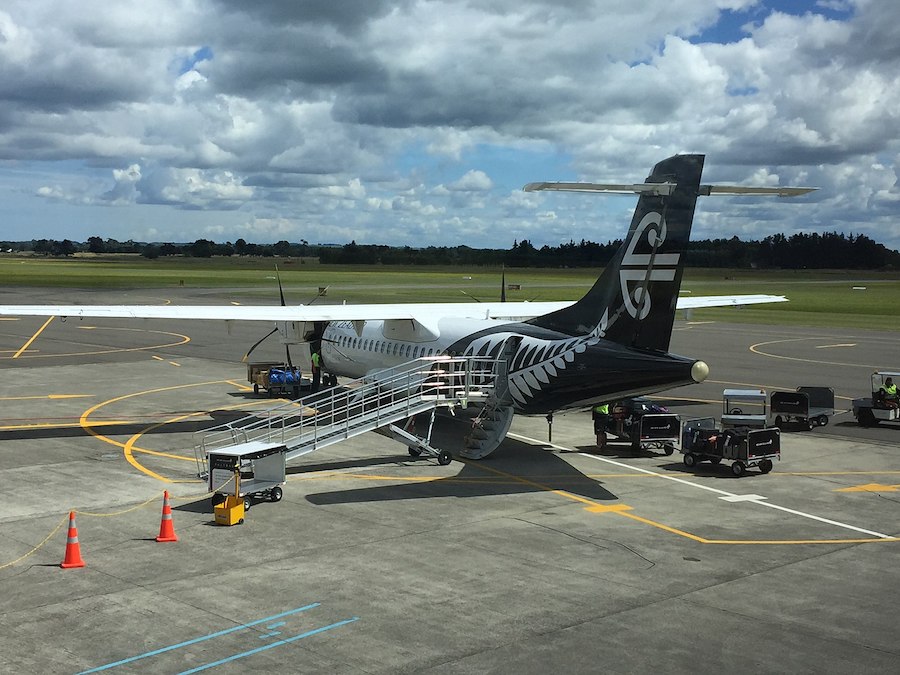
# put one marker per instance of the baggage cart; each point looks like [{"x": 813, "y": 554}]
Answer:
[
  {"x": 702, "y": 440},
  {"x": 744, "y": 408},
  {"x": 247, "y": 471},
  {"x": 808, "y": 407},
  {"x": 277, "y": 379},
  {"x": 645, "y": 425}
]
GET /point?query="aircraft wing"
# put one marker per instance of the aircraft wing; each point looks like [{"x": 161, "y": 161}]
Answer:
[{"x": 373, "y": 312}]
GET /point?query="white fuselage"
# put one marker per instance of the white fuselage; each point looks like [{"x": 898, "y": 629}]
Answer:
[{"x": 385, "y": 344}]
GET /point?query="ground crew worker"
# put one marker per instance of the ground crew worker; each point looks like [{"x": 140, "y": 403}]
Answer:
[
  {"x": 600, "y": 415},
  {"x": 888, "y": 393},
  {"x": 316, "y": 370}
]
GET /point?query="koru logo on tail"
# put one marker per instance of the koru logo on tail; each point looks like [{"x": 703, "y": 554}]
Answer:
[{"x": 638, "y": 269}]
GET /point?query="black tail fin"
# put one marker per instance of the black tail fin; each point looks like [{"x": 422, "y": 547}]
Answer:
[{"x": 633, "y": 301}]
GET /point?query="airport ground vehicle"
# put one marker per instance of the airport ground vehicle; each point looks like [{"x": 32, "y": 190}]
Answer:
[
  {"x": 702, "y": 440},
  {"x": 807, "y": 407},
  {"x": 277, "y": 379},
  {"x": 248, "y": 470},
  {"x": 644, "y": 424},
  {"x": 873, "y": 409},
  {"x": 744, "y": 408}
]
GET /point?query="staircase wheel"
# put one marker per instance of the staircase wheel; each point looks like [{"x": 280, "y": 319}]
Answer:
[{"x": 444, "y": 458}]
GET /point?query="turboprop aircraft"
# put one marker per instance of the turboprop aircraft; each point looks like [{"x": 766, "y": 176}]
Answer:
[{"x": 611, "y": 343}]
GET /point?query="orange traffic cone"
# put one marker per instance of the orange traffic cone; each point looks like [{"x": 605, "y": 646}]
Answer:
[
  {"x": 73, "y": 548},
  {"x": 166, "y": 527}
]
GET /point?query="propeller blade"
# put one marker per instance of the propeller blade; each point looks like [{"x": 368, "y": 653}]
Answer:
[
  {"x": 258, "y": 343},
  {"x": 322, "y": 291},
  {"x": 280, "y": 289}
]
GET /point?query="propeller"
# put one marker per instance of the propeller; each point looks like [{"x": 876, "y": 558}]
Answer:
[
  {"x": 287, "y": 349},
  {"x": 502, "y": 289}
]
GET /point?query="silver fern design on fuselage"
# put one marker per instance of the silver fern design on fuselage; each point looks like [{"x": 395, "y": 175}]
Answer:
[{"x": 537, "y": 359}]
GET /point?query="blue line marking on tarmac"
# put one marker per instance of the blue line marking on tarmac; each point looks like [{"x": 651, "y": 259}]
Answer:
[
  {"x": 278, "y": 624},
  {"x": 315, "y": 631},
  {"x": 268, "y": 635},
  {"x": 163, "y": 650}
]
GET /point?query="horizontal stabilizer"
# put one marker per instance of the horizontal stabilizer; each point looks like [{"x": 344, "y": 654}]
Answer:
[{"x": 664, "y": 189}]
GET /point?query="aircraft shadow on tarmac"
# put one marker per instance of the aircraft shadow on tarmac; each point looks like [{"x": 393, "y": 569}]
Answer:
[
  {"x": 148, "y": 427},
  {"x": 514, "y": 468}
]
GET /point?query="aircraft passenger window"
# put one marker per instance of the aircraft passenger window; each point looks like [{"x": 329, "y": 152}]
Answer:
[
  {"x": 381, "y": 346},
  {"x": 396, "y": 349}
]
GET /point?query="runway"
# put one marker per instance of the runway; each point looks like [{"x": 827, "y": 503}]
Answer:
[{"x": 545, "y": 556}]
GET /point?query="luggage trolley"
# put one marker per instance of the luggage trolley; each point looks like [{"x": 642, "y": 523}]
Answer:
[
  {"x": 247, "y": 470},
  {"x": 808, "y": 406},
  {"x": 644, "y": 424},
  {"x": 701, "y": 441},
  {"x": 744, "y": 408}
]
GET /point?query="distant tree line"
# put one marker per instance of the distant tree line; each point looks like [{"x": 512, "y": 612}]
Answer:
[{"x": 831, "y": 250}]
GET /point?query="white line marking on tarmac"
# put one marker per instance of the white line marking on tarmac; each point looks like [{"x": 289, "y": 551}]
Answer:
[
  {"x": 705, "y": 487},
  {"x": 742, "y": 498}
]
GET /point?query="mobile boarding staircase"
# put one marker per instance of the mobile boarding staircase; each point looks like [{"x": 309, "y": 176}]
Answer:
[{"x": 377, "y": 403}]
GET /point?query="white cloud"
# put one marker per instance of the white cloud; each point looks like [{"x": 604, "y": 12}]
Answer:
[{"x": 383, "y": 122}]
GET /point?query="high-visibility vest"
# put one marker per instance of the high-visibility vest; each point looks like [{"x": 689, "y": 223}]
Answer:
[
  {"x": 602, "y": 409},
  {"x": 315, "y": 360},
  {"x": 890, "y": 391}
]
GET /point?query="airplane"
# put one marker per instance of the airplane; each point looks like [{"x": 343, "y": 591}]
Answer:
[{"x": 611, "y": 344}]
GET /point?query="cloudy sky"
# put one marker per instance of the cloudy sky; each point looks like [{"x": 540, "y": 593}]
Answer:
[{"x": 418, "y": 121}]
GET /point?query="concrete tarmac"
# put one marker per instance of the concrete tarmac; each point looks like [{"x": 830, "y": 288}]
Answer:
[{"x": 545, "y": 556}]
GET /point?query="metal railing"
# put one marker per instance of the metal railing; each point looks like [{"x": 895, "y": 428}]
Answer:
[{"x": 368, "y": 403}]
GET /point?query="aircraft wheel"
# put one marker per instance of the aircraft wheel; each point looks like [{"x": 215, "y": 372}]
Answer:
[
  {"x": 444, "y": 458},
  {"x": 766, "y": 465},
  {"x": 822, "y": 420},
  {"x": 690, "y": 459},
  {"x": 276, "y": 494},
  {"x": 668, "y": 448},
  {"x": 414, "y": 452},
  {"x": 866, "y": 417},
  {"x": 737, "y": 469}
]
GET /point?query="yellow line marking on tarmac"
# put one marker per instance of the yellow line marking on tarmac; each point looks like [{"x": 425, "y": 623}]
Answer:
[
  {"x": 116, "y": 350},
  {"x": 871, "y": 487},
  {"x": 33, "y": 337},
  {"x": 52, "y": 397},
  {"x": 240, "y": 385},
  {"x": 173, "y": 363},
  {"x": 129, "y": 447},
  {"x": 129, "y": 456},
  {"x": 64, "y": 425},
  {"x": 878, "y": 537},
  {"x": 612, "y": 508},
  {"x": 158, "y": 358}
]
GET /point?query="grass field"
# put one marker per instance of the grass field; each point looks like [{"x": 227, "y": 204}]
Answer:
[{"x": 817, "y": 298}]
